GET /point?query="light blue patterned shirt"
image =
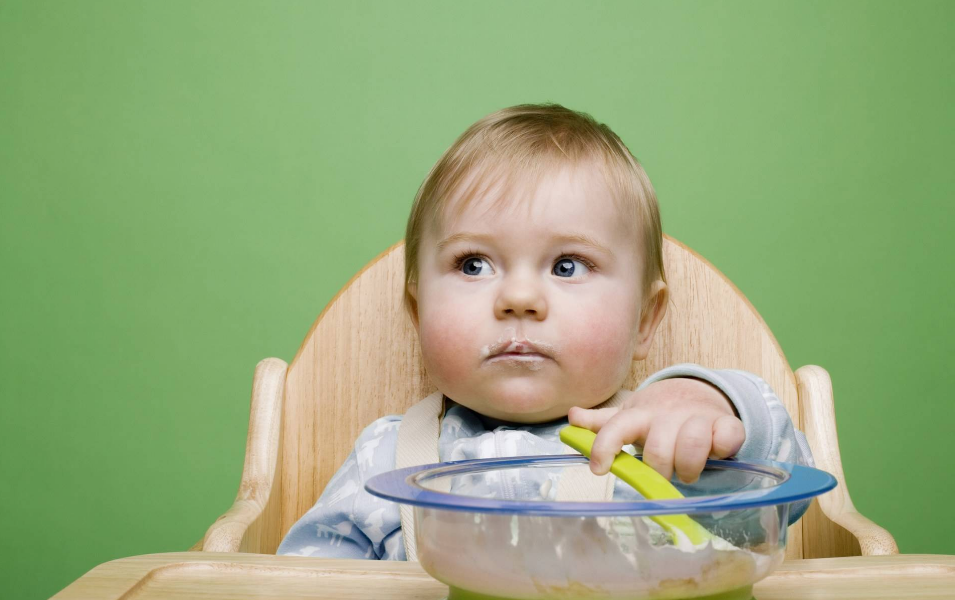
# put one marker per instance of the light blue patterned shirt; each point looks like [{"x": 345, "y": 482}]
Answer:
[{"x": 348, "y": 522}]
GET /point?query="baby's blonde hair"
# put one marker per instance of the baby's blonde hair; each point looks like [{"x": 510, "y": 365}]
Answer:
[{"x": 514, "y": 148}]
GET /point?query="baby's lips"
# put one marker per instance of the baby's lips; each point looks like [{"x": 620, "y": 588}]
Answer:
[{"x": 523, "y": 346}]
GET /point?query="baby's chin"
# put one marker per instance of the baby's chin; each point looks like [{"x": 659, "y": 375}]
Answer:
[{"x": 519, "y": 405}]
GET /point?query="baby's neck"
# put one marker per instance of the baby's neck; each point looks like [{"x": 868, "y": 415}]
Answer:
[{"x": 493, "y": 423}]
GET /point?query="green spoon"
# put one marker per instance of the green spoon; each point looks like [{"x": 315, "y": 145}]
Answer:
[{"x": 645, "y": 480}]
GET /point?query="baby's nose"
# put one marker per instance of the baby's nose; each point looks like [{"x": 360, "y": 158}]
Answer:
[{"x": 521, "y": 299}]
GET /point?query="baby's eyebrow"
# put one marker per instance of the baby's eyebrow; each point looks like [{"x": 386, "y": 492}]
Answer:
[
  {"x": 586, "y": 240},
  {"x": 463, "y": 237},
  {"x": 573, "y": 238}
]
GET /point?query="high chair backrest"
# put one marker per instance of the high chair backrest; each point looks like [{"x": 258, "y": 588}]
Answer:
[{"x": 361, "y": 361}]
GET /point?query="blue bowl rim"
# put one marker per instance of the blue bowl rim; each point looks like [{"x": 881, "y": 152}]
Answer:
[{"x": 796, "y": 483}]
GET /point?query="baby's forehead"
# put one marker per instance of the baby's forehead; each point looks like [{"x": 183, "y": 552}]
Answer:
[{"x": 513, "y": 195}]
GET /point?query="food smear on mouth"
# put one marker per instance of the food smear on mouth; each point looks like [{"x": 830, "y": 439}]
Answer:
[
  {"x": 533, "y": 362},
  {"x": 512, "y": 343}
]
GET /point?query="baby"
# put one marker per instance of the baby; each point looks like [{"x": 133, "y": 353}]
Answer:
[{"x": 534, "y": 277}]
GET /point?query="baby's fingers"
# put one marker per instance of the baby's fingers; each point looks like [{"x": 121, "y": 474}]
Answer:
[
  {"x": 693, "y": 445},
  {"x": 728, "y": 436},
  {"x": 658, "y": 451},
  {"x": 627, "y": 426}
]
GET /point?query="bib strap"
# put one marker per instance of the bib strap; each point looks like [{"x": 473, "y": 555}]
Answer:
[{"x": 418, "y": 445}]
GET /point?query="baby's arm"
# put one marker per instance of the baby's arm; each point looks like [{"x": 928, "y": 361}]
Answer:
[{"x": 347, "y": 521}]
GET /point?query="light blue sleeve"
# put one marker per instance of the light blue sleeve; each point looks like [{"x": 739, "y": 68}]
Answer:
[
  {"x": 347, "y": 521},
  {"x": 770, "y": 434}
]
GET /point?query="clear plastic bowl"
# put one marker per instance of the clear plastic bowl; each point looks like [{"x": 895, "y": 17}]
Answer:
[{"x": 513, "y": 540}]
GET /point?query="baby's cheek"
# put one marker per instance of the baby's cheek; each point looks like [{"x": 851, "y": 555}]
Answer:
[
  {"x": 604, "y": 348},
  {"x": 447, "y": 347}
]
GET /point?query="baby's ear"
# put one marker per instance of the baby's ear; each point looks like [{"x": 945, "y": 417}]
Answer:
[
  {"x": 411, "y": 303},
  {"x": 655, "y": 307}
]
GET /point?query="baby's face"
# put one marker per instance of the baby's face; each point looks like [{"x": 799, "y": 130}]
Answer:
[{"x": 528, "y": 309}]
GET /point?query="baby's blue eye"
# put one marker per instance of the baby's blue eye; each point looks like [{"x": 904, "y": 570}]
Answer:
[
  {"x": 474, "y": 266},
  {"x": 568, "y": 267}
]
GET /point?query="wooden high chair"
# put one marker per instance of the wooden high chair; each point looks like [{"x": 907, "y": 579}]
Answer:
[{"x": 361, "y": 361}]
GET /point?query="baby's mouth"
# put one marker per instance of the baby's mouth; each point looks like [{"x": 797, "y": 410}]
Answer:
[
  {"x": 519, "y": 350},
  {"x": 519, "y": 356}
]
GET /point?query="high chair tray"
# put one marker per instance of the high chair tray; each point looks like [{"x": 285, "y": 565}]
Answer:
[{"x": 215, "y": 576}]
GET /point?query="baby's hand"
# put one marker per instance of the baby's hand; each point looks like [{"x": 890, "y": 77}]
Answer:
[{"x": 679, "y": 422}]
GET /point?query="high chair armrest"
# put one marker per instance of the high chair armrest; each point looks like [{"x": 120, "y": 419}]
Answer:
[
  {"x": 873, "y": 540},
  {"x": 819, "y": 424},
  {"x": 254, "y": 514}
]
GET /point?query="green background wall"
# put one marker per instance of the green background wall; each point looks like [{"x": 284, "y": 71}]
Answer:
[{"x": 184, "y": 185}]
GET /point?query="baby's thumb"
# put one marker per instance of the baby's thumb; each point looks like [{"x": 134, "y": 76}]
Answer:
[{"x": 591, "y": 418}]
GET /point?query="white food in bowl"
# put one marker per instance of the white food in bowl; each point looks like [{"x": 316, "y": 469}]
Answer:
[{"x": 537, "y": 557}]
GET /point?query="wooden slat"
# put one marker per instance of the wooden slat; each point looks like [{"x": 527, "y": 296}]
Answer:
[{"x": 252, "y": 524}]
